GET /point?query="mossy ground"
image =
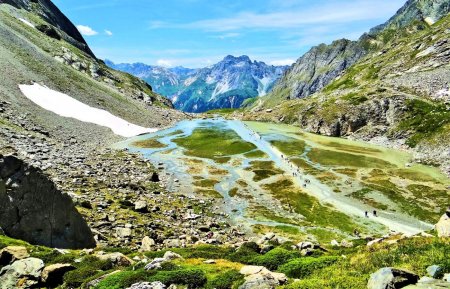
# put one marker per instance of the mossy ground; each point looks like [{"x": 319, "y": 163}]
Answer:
[
  {"x": 347, "y": 268},
  {"x": 216, "y": 143},
  {"x": 150, "y": 143}
]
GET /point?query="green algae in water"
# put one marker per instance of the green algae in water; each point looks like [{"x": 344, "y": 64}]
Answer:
[
  {"x": 150, "y": 143},
  {"x": 263, "y": 170},
  {"x": 215, "y": 142},
  {"x": 341, "y": 159}
]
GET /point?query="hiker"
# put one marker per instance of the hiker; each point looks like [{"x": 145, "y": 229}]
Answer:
[
  {"x": 374, "y": 213},
  {"x": 367, "y": 214}
]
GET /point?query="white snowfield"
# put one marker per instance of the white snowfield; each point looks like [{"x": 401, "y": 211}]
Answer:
[{"x": 67, "y": 106}]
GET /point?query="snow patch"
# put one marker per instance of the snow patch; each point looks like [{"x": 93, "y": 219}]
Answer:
[
  {"x": 66, "y": 106},
  {"x": 264, "y": 85},
  {"x": 240, "y": 64},
  {"x": 210, "y": 79},
  {"x": 27, "y": 22},
  {"x": 189, "y": 81},
  {"x": 221, "y": 87}
]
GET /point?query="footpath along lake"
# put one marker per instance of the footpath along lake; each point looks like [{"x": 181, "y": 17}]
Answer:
[{"x": 269, "y": 177}]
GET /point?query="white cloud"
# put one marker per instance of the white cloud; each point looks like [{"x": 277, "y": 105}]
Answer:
[
  {"x": 228, "y": 35},
  {"x": 330, "y": 13},
  {"x": 108, "y": 32},
  {"x": 164, "y": 62},
  {"x": 86, "y": 30},
  {"x": 281, "y": 62}
]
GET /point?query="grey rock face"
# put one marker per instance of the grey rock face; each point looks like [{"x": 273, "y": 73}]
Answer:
[
  {"x": 415, "y": 10},
  {"x": 32, "y": 209},
  {"x": 388, "y": 278},
  {"x": 319, "y": 66},
  {"x": 28, "y": 271},
  {"x": 51, "y": 14}
]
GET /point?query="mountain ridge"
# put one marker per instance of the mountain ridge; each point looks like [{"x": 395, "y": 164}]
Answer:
[{"x": 226, "y": 84}]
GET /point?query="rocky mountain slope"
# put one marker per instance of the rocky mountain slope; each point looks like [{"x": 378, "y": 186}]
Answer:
[
  {"x": 38, "y": 44},
  {"x": 396, "y": 95},
  {"x": 324, "y": 63},
  {"x": 226, "y": 84}
]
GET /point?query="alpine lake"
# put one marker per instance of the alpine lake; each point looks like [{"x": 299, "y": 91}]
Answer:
[{"x": 275, "y": 178}]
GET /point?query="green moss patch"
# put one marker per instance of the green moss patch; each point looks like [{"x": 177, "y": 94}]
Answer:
[
  {"x": 150, "y": 143},
  {"x": 341, "y": 159},
  {"x": 216, "y": 143}
]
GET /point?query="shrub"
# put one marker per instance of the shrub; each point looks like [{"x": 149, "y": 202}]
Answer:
[
  {"x": 246, "y": 253},
  {"x": 123, "y": 279},
  {"x": 89, "y": 267},
  {"x": 274, "y": 258},
  {"x": 227, "y": 280},
  {"x": 303, "y": 267},
  {"x": 193, "y": 278}
]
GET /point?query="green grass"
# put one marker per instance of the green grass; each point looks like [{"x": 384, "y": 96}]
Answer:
[
  {"x": 423, "y": 120},
  {"x": 353, "y": 272},
  {"x": 256, "y": 154},
  {"x": 150, "y": 143},
  {"x": 263, "y": 170},
  {"x": 304, "y": 267},
  {"x": 216, "y": 143},
  {"x": 292, "y": 147},
  {"x": 341, "y": 159},
  {"x": 355, "y": 98},
  {"x": 309, "y": 207}
]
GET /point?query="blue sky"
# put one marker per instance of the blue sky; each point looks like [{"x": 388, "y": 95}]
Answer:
[{"x": 198, "y": 33}]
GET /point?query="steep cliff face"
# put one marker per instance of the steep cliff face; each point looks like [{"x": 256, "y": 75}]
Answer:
[
  {"x": 422, "y": 10},
  {"x": 318, "y": 67},
  {"x": 53, "y": 16},
  {"x": 32, "y": 209}
]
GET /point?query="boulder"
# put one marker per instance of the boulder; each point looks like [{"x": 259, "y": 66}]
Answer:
[
  {"x": 429, "y": 283},
  {"x": 34, "y": 210},
  {"x": 435, "y": 271},
  {"x": 443, "y": 226},
  {"x": 52, "y": 275},
  {"x": 141, "y": 206},
  {"x": 23, "y": 273},
  {"x": 388, "y": 278},
  {"x": 148, "y": 244},
  {"x": 123, "y": 233},
  {"x": 155, "y": 177},
  {"x": 10, "y": 254},
  {"x": 169, "y": 256},
  {"x": 148, "y": 285},
  {"x": 261, "y": 278},
  {"x": 118, "y": 259}
]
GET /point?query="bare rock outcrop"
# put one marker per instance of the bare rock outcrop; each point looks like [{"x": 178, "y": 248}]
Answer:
[{"x": 34, "y": 210}]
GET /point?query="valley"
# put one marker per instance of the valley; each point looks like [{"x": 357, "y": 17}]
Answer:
[{"x": 274, "y": 177}]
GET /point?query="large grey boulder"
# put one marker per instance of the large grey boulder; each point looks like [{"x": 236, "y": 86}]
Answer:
[
  {"x": 34, "y": 210},
  {"x": 391, "y": 278},
  {"x": 21, "y": 274}
]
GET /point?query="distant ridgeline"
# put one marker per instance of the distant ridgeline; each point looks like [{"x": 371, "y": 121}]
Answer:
[{"x": 227, "y": 84}]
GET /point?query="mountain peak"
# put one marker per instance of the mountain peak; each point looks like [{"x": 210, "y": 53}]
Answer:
[{"x": 238, "y": 58}]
